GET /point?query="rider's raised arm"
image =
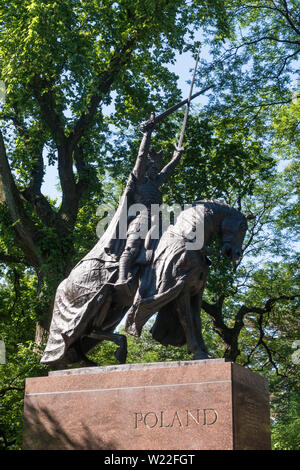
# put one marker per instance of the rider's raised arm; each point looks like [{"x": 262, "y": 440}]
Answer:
[
  {"x": 170, "y": 167},
  {"x": 141, "y": 161}
]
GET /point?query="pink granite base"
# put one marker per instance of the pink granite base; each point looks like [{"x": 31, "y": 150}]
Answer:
[{"x": 160, "y": 406}]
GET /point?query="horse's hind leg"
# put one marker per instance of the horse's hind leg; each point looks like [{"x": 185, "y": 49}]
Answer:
[
  {"x": 184, "y": 310},
  {"x": 120, "y": 340}
]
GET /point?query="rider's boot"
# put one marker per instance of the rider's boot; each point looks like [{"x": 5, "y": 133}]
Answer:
[{"x": 124, "y": 268}]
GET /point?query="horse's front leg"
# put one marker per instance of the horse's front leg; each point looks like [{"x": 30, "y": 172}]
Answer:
[
  {"x": 186, "y": 317},
  {"x": 196, "y": 301}
]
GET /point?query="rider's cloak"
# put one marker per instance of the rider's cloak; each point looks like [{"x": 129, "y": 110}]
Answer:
[{"x": 84, "y": 292}]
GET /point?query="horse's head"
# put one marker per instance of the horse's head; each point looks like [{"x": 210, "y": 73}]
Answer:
[{"x": 233, "y": 231}]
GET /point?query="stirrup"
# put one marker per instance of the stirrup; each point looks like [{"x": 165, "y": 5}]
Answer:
[{"x": 123, "y": 282}]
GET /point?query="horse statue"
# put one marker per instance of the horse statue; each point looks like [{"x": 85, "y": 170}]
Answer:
[
  {"x": 89, "y": 303},
  {"x": 138, "y": 275}
]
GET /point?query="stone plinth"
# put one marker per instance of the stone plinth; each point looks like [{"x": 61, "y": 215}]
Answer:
[{"x": 159, "y": 406}]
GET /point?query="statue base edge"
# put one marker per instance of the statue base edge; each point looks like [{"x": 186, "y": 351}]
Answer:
[{"x": 186, "y": 405}]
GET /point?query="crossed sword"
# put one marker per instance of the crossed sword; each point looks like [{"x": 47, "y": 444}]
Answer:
[{"x": 160, "y": 117}]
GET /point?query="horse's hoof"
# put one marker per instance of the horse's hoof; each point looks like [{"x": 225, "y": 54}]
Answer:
[
  {"x": 121, "y": 355},
  {"x": 58, "y": 366},
  {"x": 88, "y": 363},
  {"x": 200, "y": 355}
]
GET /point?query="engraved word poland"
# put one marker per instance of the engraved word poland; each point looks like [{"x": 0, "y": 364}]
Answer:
[{"x": 170, "y": 419}]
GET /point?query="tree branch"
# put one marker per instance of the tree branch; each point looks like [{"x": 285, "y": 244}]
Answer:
[
  {"x": 43, "y": 92},
  {"x": 83, "y": 169},
  {"x": 244, "y": 310},
  {"x": 70, "y": 196},
  {"x": 12, "y": 259},
  {"x": 261, "y": 311},
  {"x": 231, "y": 335},
  {"x": 215, "y": 311},
  {"x": 5, "y": 441},
  {"x": 4, "y": 390},
  {"x": 104, "y": 82},
  {"x": 37, "y": 173},
  {"x": 266, "y": 38},
  {"x": 264, "y": 105},
  {"x": 285, "y": 62},
  {"x": 286, "y": 14},
  {"x": 27, "y": 233},
  {"x": 33, "y": 193},
  {"x": 70, "y": 149}
]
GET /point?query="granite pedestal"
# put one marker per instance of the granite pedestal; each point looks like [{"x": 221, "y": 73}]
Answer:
[{"x": 159, "y": 406}]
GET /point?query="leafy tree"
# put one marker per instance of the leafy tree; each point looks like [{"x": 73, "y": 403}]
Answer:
[
  {"x": 60, "y": 62},
  {"x": 22, "y": 362},
  {"x": 258, "y": 58}
]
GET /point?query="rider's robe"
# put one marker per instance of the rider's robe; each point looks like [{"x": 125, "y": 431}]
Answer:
[{"x": 83, "y": 294}]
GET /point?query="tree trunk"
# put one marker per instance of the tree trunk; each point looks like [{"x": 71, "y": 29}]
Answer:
[
  {"x": 43, "y": 325},
  {"x": 41, "y": 335},
  {"x": 232, "y": 351}
]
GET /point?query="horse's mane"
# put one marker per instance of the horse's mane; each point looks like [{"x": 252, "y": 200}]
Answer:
[{"x": 211, "y": 205}]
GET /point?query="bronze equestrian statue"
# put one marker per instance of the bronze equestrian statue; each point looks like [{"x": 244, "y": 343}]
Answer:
[{"x": 139, "y": 277}]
